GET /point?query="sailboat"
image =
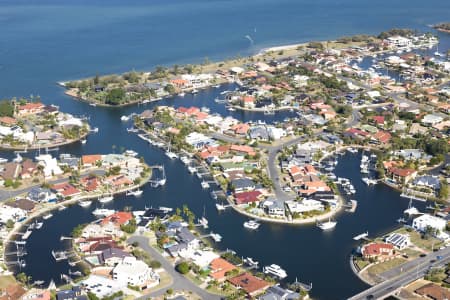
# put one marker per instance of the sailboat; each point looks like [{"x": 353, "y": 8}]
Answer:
[
  {"x": 162, "y": 181},
  {"x": 170, "y": 154},
  {"x": 411, "y": 210},
  {"x": 437, "y": 53},
  {"x": 327, "y": 225}
]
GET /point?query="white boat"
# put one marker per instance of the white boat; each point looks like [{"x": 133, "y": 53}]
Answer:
[
  {"x": 220, "y": 207},
  {"x": 250, "y": 261},
  {"x": 194, "y": 91},
  {"x": 192, "y": 170},
  {"x": 275, "y": 270},
  {"x": 352, "y": 150},
  {"x": 38, "y": 225},
  {"x": 171, "y": 155},
  {"x": 131, "y": 153},
  {"x": 253, "y": 225},
  {"x": 182, "y": 94},
  {"x": 145, "y": 101},
  {"x": 18, "y": 158},
  {"x": 131, "y": 129},
  {"x": 135, "y": 193},
  {"x": 327, "y": 225},
  {"x": 103, "y": 212},
  {"x": 27, "y": 234},
  {"x": 62, "y": 207},
  {"x": 106, "y": 199},
  {"x": 47, "y": 216},
  {"x": 231, "y": 109},
  {"x": 205, "y": 185},
  {"x": 84, "y": 203},
  {"x": 185, "y": 160},
  {"x": 3, "y": 160},
  {"x": 165, "y": 209},
  {"x": 124, "y": 118},
  {"x": 205, "y": 109},
  {"x": 83, "y": 141},
  {"x": 92, "y": 104},
  {"x": 216, "y": 86}
]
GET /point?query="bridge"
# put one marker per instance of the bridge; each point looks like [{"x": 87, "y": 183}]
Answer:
[{"x": 404, "y": 274}]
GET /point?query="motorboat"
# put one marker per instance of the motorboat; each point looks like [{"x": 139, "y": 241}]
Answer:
[
  {"x": 85, "y": 203},
  {"x": 106, "y": 199},
  {"x": 182, "y": 94},
  {"x": 131, "y": 153},
  {"x": 205, "y": 185},
  {"x": 124, "y": 118},
  {"x": 3, "y": 160},
  {"x": 83, "y": 141},
  {"x": 253, "y": 225},
  {"x": 275, "y": 270},
  {"x": 47, "y": 216},
  {"x": 327, "y": 225},
  {"x": 135, "y": 193},
  {"x": 103, "y": 212}
]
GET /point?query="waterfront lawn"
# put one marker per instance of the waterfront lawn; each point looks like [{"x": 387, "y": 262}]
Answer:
[
  {"x": 5, "y": 281},
  {"x": 384, "y": 266},
  {"x": 416, "y": 239},
  {"x": 361, "y": 264},
  {"x": 411, "y": 253}
]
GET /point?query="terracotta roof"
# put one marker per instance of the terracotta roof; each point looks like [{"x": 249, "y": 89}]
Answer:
[
  {"x": 31, "y": 106},
  {"x": 219, "y": 267},
  {"x": 382, "y": 136},
  {"x": 242, "y": 148},
  {"x": 401, "y": 172},
  {"x": 377, "y": 249},
  {"x": 90, "y": 159},
  {"x": 249, "y": 283},
  {"x": 118, "y": 218},
  {"x": 247, "y": 197},
  {"x": 8, "y": 120}
]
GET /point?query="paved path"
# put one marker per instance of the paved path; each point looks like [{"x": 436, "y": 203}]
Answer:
[
  {"x": 404, "y": 274},
  {"x": 179, "y": 281}
]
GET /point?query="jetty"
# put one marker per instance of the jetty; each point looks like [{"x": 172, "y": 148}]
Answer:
[{"x": 61, "y": 255}]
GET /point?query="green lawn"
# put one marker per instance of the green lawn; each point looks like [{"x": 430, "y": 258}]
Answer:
[
  {"x": 417, "y": 240},
  {"x": 5, "y": 281},
  {"x": 384, "y": 266},
  {"x": 361, "y": 264}
]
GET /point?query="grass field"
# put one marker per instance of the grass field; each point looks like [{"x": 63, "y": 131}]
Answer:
[
  {"x": 5, "y": 281},
  {"x": 384, "y": 266}
]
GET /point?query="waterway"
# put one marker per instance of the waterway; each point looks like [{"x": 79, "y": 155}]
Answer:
[{"x": 46, "y": 41}]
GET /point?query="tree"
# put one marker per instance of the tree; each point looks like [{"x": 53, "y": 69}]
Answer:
[
  {"x": 182, "y": 268},
  {"x": 9, "y": 224},
  {"x": 6, "y": 108},
  {"x": 115, "y": 96},
  {"x": 169, "y": 89},
  {"x": 443, "y": 191}
]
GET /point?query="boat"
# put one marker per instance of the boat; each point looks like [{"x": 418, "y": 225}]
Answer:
[
  {"x": 352, "y": 150},
  {"x": 194, "y": 91},
  {"x": 216, "y": 86},
  {"x": 135, "y": 193},
  {"x": 62, "y": 207},
  {"x": 170, "y": 154},
  {"x": 249, "y": 261},
  {"x": 124, "y": 118},
  {"x": 3, "y": 160},
  {"x": 132, "y": 129},
  {"x": 182, "y": 94},
  {"x": 145, "y": 101},
  {"x": 83, "y": 141},
  {"x": 47, "y": 216},
  {"x": 205, "y": 109},
  {"x": 93, "y": 104},
  {"x": 192, "y": 170},
  {"x": 275, "y": 270},
  {"x": 131, "y": 153},
  {"x": 84, "y": 203},
  {"x": 27, "y": 234},
  {"x": 185, "y": 160},
  {"x": 411, "y": 210},
  {"x": 231, "y": 109},
  {"x": 361, "y": 236},
  {"x": 105, "y": 199},
  {"x": 18, "y": 158},
  {"x": 103, "y": 212},
  {"x": 165, "y": 209},
  {"x": 205, "y": 185},
  {"x": 327, "y": 225},
  {"x": 252, "y": 224},
  {"x": 216, "y": 237},
  {"x": 38, "y": 225}
]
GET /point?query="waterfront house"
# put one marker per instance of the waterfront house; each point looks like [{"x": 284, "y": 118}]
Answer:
[
  {"x": 259, "y": 133},
  {"x": 8, "y": 121},
  {"x": 276, "y": 292},
  {"x": 303, "y": 206},
  {"x": 242, "y": 184},
  {"x": 96, "y": 230},
  {"x": 88, "y": 161},
  {"x": 378, "y": 250},
  {"x": 382, "y": 137},
  {"x": 89, "y": 183},
  {"x": 118, "y": 219},
  {"x": 102, "y": 286},
  {"x": 68, "y": 160},
  {"x": 73, "y": 294},
  {"x": 112, "y": 256},
  {"x": 28, "y": 169},
  {"x": 273, "y": 207},
  {"x": 49, "y": 164},
  {"x": 247, "y": 197},
  {"x": 400, "y": 241},
  {"x": 11, "y": 292},
  {"x": 133, "y": 272},
  {"x": 39, "y": 194},
  {"x": 252, "y": 285},
  {"x": 34, "y": 294},
  {"x": 10, "y": 171},
  {"x": 240, "y": 129},
  {"x": 29, "y": 108},
  {"x": 425, "y": 221},
  {"x": 401, "y": 175},
  {"x": 243, "y": 149},
  {"x": 65, "y": 190},
  {"x": 219, "y": 269},
  {"x": 117, "y": 181},
  {"x": 24, "y": 204},
  {"x": 428, "y": 181}
]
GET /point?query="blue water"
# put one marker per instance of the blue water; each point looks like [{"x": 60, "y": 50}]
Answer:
[{"x": 42, "y": 42}]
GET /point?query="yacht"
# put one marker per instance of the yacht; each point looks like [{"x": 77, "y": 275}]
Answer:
[
  {"x": 62, "y": 207},
  {"x": 170, "y": 154},
  {"x": 145, "y": 101},
  {"x": 182, "y": 94},
  {"x": 250, "y": 261},
  {"x": 185, "y": 160},
  {"x": 38, "y": 225},
  {"x": 192, "y": 169},
  {"x": 220, "y": 206},
  {"x": 103, "y": 212},
  {"x": 132, "y": 129},
  {"x": 194, "y": 91},
  {"x": 106, "y": 199},
  {"x": 253, "y": 225},
  {"x": 327, "y": 225},
  {"x": 131, "y": 153},
  {"x": 205, "y": 184},
  {"x": 83, "y": 141},
  {"x": 18, "y": 158},
  {"x": 27, "y": 234},
  {"x": 231, "y": 109},
  {"x": 275, "y": 270},
  {"x": 3, "y": 160},
  {"x": 135, "y": 193},
  {"x": 124, "y": 118},
  {"x": 84, "y": 203},
  {"x": 47, "y": 216}
]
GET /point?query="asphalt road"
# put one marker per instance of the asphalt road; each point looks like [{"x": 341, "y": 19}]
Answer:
[
  {"x": 405, "y": 274},
  {"x": 179, "y": 282}
]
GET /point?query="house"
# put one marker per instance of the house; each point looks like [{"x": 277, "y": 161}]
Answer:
[
  {"x": 243, "y": 149},
  {"x": 276, "y": 292},
  {"x": 8, "y": 121},
  {"x": 377, "y": 250},
  {"x": 10, "y": 171},
  {"x": 431, "y": 120},
  {"x": 240, "y": 129},
  {"x": 50, "y": 164},
  {"x": 65, "y": 190},
  {"x": 400, "y": 241},
  {"x": 401, "y": 176},
  {"x": 36, "y": 294},
  {"x": 118, "y": 218},
  {"x": 248, "y": 102},
  {"x": 135, "y": 273},
  {"x": 12, "y": 292},
  {"x": 383, "y": 137},
  {"x": 112, "y": 256},
  {"x": 102, "y": 286},
  {"x": 425, "y": 221},
  {"x": 219, "y": 269},
  {"x": 252, "y": 285},
  {"x": 11, "y": 213},
  {"x": 118, "y": 181},
  {"x": 24, "y": 204},
  {"x": 428, "y": 181},
  {"x": 73, "y": 294},
  {"x": 247, "y": 197},
  {"x": 273, "y": 207},
  {"x": 433, "y": 291},
  {"x": 276, "y": 133},
  {"x": 88, "y": 161},
  {"x": 30, "y": 108},
  {"x": 39, "y": 194},
  {"x": 243, "y": 184},
  {"x": 259, "y": 133},
  {"x": 29, "y": 169}
]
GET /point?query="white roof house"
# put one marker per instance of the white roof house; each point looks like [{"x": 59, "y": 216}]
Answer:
[
  {"x": 424, "y": 221},
  {"x": 50, "y": 164},
  {"x": 276, "y": 133},
  {"x": 134, "y": 272},
  {"x": 11, "y": 213},
  {"x": 304, "y": 206},
  {"x": 202, "y": 258},
  {"x": 431, "y": 119},
  {"x": 400, "y": 241},
  {"x": 102, "y": 286}
]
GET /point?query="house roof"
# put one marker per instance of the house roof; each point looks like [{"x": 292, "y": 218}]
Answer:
[
  {"x": 31, "y": 106},
  {"x": 118, "y": 218},
  {"x": 247, "y": 197},
  {"x": 8, "y": 120},
  {"x": 401, "y": 172},
  {"x": 219, "y": 267},
  {"x": 377, "y": 249},
  {"x": 434, "y": 291},
  {"x": 90, "y": 159},
  {"x": 249, "y": 283}
]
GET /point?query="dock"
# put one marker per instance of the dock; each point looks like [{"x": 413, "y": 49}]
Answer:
[{"x": 61, "y": 255}]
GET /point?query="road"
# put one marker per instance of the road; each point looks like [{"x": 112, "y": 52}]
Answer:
[
  {"x": 404, "y": 274},
  {"x": 179, "y": 282},
  {"x": 6, "y": 194},
  {"x": 272, "y": 166}
]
